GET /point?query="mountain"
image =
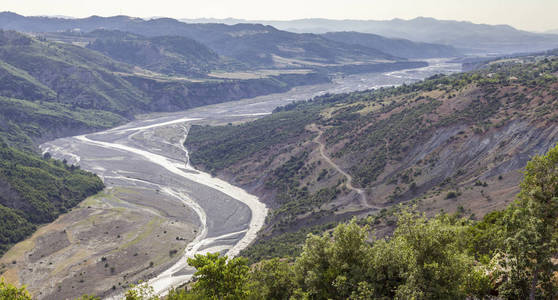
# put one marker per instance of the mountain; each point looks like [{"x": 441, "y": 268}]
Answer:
[
  {"x": 450, "y": 143},
  {"x": 470, "y": 37},
  {"x": 398, "y": 47},
  {"x": 253, "y": 44}
]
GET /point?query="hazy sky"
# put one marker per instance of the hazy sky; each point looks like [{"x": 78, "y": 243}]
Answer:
[{"x": 534, "y": 15}]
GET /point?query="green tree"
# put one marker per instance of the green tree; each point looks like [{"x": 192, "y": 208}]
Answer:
[
  {"x": 10, "y": 292},
  {"x": 273, "y": 279},
  {"x": 334, "y": 268},
  {"x": 532, "y": 232},
  {"x": 486, "y": 237},
  {"x": 390, "y": 263},
  {"x": 218, "y": 277},
  {"x": 435, "y": 266}
]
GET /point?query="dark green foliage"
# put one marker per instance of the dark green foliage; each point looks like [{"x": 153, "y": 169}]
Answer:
[
  {"x": 486, "y": 236},
  {"x": 423, "y": 260},
  {"x": 220, "y": 278},
  {"x": 36, "y": 191},
  {"x": 273, "y": 279},
  {"x": 531, "y": 230},
  {"x": 46, "y": 188},
  {"x": 452, "y": 195},
  {"x": 13, "y": 229}
]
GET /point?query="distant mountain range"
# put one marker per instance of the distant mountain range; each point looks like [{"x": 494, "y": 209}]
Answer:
[
  {"x": 255, "y": 45},
  {"x": 464, "y": 35},
  {"x": 398, "y": 47}
]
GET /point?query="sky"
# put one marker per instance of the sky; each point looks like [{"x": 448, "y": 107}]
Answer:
[{"x": 533, "y": 15}]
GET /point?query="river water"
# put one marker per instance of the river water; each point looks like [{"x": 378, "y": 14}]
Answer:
[{"x": 149, "y": 153}]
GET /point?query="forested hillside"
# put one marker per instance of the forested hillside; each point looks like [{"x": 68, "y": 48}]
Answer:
[
  {"x": 36, "y": 190},
  {"x": 450, "y": 143}
]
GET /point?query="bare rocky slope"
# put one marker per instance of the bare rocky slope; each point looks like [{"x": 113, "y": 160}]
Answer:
[{"x": 450, "y": 143}]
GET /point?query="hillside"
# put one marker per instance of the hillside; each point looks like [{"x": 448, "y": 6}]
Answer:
[
  {"x": 452, "y": 143},
  {"x": 169, "y": 55},
  {"x": 253, "y": 44},
  {"x": 466, "y": 36},
  {"x": 172, "y": 55},
  {"x": 398, "y": 47}
]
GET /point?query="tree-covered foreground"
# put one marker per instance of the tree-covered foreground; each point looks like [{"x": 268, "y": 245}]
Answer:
[{"x": 510, "y": 254}]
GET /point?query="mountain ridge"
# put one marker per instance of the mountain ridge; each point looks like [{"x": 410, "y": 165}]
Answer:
[
  {"x": 254, "y": 44},
  {"x": 465, "y": 35}
]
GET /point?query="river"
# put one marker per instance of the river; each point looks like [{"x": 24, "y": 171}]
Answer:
[{"x": 149, "y": 153}]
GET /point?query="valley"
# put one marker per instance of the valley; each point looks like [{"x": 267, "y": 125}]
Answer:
[
  {"x": 148, "y": 156},
  {"x": 157, "y": 209}
]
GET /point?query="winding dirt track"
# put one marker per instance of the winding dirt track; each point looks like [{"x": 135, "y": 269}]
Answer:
[{"x": 361, "y": 192}]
